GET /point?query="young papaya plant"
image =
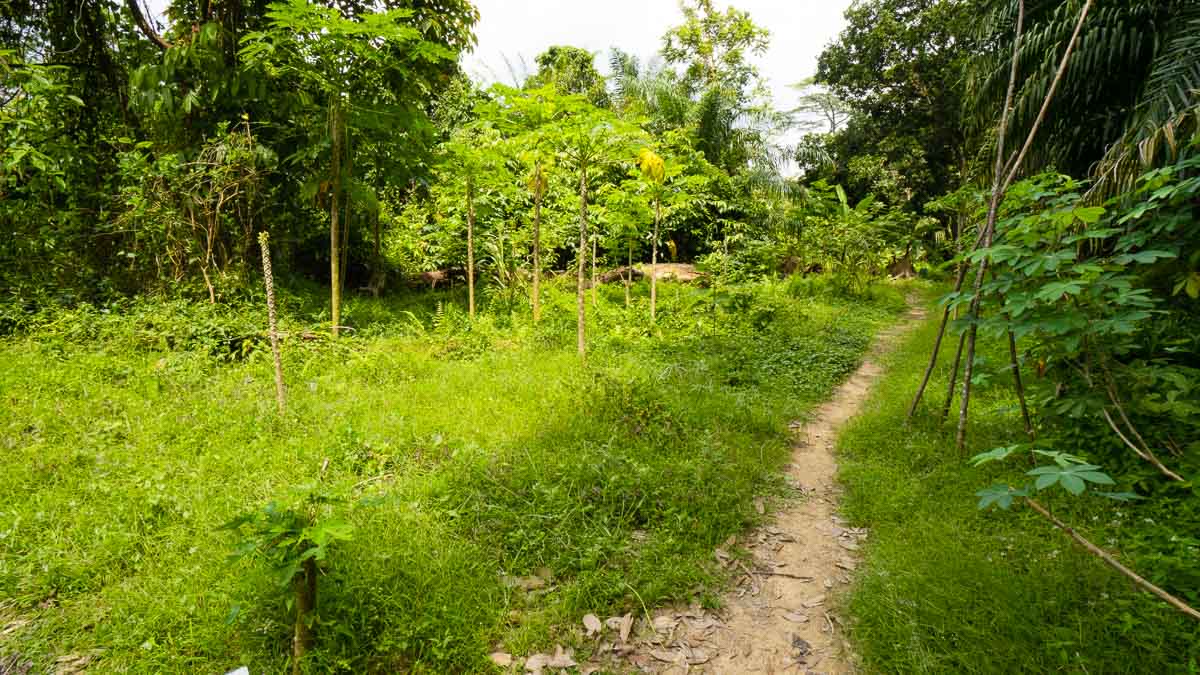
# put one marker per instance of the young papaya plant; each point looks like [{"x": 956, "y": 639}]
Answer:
[{"x": 293, "y": 539}]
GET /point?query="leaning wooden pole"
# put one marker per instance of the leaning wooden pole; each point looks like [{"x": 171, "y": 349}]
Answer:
[
  {"x": 1015, "y": 363},
  {"x": 959, "y": 279},
  {"x": 962, "y": 339},
  {"x": 272, "y": 327},
  {"x": 1001, "y": 185},
  {"x": 1113, "y": 562}
]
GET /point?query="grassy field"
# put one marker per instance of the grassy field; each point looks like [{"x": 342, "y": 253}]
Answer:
[
  {"x": 949, "y": 589},
  {"x": 467, "y": 455}
]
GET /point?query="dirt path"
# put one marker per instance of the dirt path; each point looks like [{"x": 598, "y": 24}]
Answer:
[{"x": 778, "y": 619}]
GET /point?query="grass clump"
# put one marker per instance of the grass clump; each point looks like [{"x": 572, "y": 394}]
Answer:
[{"x": 481, "y": 454}]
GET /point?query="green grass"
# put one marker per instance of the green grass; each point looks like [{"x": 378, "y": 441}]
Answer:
[
  {"x": 484, "y": 450},
  {"x": 946, "y": 588}
]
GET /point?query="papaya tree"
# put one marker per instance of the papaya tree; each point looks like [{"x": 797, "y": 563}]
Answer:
[
  {"x": 472, "y": 158},
  {"x": 591, "y": 140},
  {"x": 528, "y": 118},
  {"x": 365, "y": 74},
  {"x": 654, "y": 174}
]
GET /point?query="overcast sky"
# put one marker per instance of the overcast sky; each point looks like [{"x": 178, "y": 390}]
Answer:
[{"x": 518, "y": 29}]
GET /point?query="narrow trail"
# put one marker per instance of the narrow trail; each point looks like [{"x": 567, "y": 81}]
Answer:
[{"x": 779, "y": 618}]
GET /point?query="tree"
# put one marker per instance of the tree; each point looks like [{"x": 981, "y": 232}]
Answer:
[
  {"x": 1127, "y": 101},
  {"x": 654, "y": 173},
  {"x": 819, "y": 108},
  {"x": 472, "y": 156},
  {"x": 364, "y": 65},
  {"x": 898, "y": 66},
  {"x": 715, "y": 47},
  {"x": 590, "y": 139},
  {"x": 570, "y": 70}
]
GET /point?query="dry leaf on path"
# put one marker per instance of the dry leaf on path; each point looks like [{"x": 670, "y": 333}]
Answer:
[
  {"x": 502, "y": 659},
  {"x": 666, "y": 656},
  {"x": 562, "y": 658},
  {"x": 591, "y": 622},
  {"x": 796, "y": 617},
  {"x": 665, "y": 623}
]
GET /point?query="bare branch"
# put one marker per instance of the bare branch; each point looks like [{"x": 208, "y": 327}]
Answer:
[
  {"x": 144, "y": 25},
  {"x": 1113, "y": 562}
]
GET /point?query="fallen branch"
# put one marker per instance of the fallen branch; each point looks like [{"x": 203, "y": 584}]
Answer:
[
  {"x": 1113, "y": 562},
  {"x": 1146, "y": 454}
]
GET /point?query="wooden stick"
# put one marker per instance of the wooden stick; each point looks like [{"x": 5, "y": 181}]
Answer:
[
  {"x": 962, "y": 340},
  {"x": 1144, "y": 454},
  {"x": 1113, "y": 562},
  {"x": 1020, "y": 386},
  {"x": 269, "y": 281}
]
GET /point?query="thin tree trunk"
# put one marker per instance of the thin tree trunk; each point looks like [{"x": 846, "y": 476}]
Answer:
[
  {"x": 629, "y": 274},
  {"x": 269, "y": 282},
  {"x": 346, "y": 211},
  {"x": 537, "y": 255},
  {"x": 335, "y": 248},
  {"x": 960, "y": 278},
  {"x": 471, "y": 246},
  {"x": 1020, "y": 386},
  {"x": 1113, "y": 562},
  {"x": 581, "y": 319},
  {"x": 654, "y": 259},
  {"x": 962, "y": 339},
  {"x": 593, "y": 272},
  {"x": 306, "y": 602},
  {"x": 377, "y": 254}
]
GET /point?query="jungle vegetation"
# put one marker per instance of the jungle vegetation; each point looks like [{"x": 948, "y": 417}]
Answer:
[{"x": 490, "y": 385}]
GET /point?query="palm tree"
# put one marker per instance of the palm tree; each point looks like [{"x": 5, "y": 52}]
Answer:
[{"x": 1130, "y": 97}]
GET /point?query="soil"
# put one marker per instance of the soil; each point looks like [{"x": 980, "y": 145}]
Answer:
[{"x": 780, "y": 618}]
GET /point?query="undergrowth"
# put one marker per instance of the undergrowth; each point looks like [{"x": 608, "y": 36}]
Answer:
[
  {"x": 947, "y": 588},
  {"x": 478, "y": 452}
]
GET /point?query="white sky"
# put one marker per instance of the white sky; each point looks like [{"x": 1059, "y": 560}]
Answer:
[{"x": 518, "y": 29}]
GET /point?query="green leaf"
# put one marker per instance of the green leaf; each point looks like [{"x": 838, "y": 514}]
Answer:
[
  {"x": 1046, "y": 480},
  {"x": 1073, "y": 483},
  {"x": 994, "y": 455}
]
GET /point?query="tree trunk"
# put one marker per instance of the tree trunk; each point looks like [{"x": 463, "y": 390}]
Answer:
[
  {"x": 581, "y": 319},
  {"x": 629, "y": 275},
  {"x": 306, "y": 600},
  {"x": 1016, "y": 370},
  {"x": 654, "y": 259},
  {"x": 377, "y": 254},
  {"x": 537, "y": 256},
  {"x": 335, "y": 247},
  {"x": 470, "y": 246},
  {"x": 345, "y": 234},
  {"x": 962, "y": 339},
  {"x": 593, "y": 281}
]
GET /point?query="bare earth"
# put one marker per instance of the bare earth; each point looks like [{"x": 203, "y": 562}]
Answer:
[{"x": 779, "y": 618}]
